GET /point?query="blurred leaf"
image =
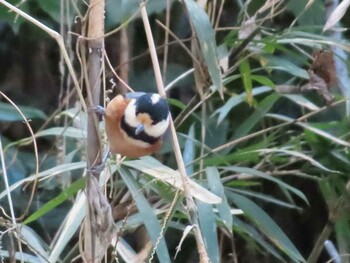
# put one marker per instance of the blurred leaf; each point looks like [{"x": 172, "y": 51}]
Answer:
[
  {"x": 63, "y": 131},
  {"x": 21, "y": 256},
  {"x": 251, "y": 171},
  {"x": 118, "y": 11},
  {"x": 263, "y": 197},
  {"x": 9, "y": 113},
  {"x": 70, "y": 225},
  {"x": 207, "y": 226},
  {"x": 246, "y": 154},
  {"x": 149, "y": 218},
  {"x": 47, "y": 173},
  {"x": 206, "y": 37},
  {"x": 264, "y": 106},
  {"x": 236, "y": 100},
  {"x": 277, "y": 63},
  {"x": 307, "y": 12},
  {"x": 189, "y": 151},
  {"x": 255, "y": 235},
  {"x": 10, "y": 17},
  {"x": 244, "y": 68},
  {"x": 66, "y": 194},
  {"x": 156, "y": 169},
  {"x": 217, "y": 188},
  {"x": 337, "y": 14},
  {"x": 298, "y": 155},
  {"x": 53, "y": 8},
  {"x": 302, "y": 101},
  {"x": 312, "y": 129},
  {"x": 265, "y": 81},
  {"x": 267, "y": 226},
  {"x": 37, "y": 244}
]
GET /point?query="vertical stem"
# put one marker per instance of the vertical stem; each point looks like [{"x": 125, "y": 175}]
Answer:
[
  {"x": 191, "y": 207},
  {"x": 95, "y": 47}
]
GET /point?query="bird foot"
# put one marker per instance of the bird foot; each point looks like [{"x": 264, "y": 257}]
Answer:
[
  {"x": 99, "y": 110},
  {"x": 97, "y": 169}
]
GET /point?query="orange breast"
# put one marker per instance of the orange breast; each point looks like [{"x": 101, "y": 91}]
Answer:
[{"x": 119, "y": 141}]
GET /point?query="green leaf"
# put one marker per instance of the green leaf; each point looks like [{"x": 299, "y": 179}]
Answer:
[
  {"x": 236, "y": 100},
  {"x": 244, "y": 68},
  {"x": 11, "y": 17},
  {"x": 53, "y": 8},
  {"x": 47, "y": 173},
  {"x": 251, "y": 171},
  {"x": 312, "y": 129},
  {"x": 299, "y": 155},
  {"x": 154, "y": 168},
  {"x": 302, "y": 101},
  {"x": 241, "y": 226},
  {"x": 264, "y": 106},
  {"x": 207, "y": 226},
  {"x": 217, "y": 188},
  {"x": 267, "y": 226},
  {"x": 265, "y": 81},
  {"x": 149, "y": 218},
  {"x": 9, "y": 113},
  {"x": 66, "y": 194},
  {"x": 206, "y": 37},
  {"x": 263, "y": 197},
  {"x": 189, "y": 151},
  {"x": 285, "y": 65}
]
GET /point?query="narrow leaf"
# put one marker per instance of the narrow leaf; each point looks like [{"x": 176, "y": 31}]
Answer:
[
  {"x": 66, "y": 194},
  {"x": 9, "y": 113},
  {"x": 149, "y": 218},
  {"x": 207, "y": 226},
  {"x": 245, "y": 71},
  {"x": 159, "y": 171},
  {"x": 268, "y": 226},
  {"x": 206, "y": 37},
  {"x": 251, "y": 171},
  {"x": 217, "y": 188},
  {"x": 337, "y": 14}
]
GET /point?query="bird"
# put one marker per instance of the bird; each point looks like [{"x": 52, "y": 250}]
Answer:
[{"x": 135, "y": 123}]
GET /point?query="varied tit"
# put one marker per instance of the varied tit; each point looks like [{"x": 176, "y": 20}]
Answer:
[{"x": 135, "y": 123}]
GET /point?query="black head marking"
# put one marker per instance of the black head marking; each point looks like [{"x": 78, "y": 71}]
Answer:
[{"x": 158, "y": 110}]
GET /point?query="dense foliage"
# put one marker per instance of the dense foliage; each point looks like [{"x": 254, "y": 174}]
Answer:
[{"x": 258, "y": 93}]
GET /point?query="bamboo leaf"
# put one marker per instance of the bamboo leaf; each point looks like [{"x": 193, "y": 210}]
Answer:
[
  {"x": 206, "y": 37},
  {"x": 244, "y": 68},
  {"x": 251, "y": 171},
  {"x": 217, "y": 188},
  {"x": 267, "y": 226},
  {"x": 9, "y": 113},
  {"x": 207, "y": 226},
  {"x": 337, "y": 14},
  {"x": 236, "y": 100},
  {"x": 66, "y": 194},
  {"x": 149, "y": 218},
  {"x": 159, "y": 171}
]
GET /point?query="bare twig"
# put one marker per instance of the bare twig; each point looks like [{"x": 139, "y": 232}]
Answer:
[{"x": 191, "y": 207}]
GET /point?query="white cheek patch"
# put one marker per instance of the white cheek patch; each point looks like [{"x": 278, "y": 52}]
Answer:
[
  {"x": 157, "y": 129},
  {"x": 130, "y": 114},
  {"x": 155, "y": 98}
]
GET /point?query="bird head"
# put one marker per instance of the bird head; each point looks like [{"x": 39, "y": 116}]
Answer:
[{"x": 148, "y": 113}]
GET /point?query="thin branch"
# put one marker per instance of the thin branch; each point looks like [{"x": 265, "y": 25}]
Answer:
[{"x": 191, "y": 207}]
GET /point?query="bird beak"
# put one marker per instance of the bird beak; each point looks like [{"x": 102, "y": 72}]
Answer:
[{"x": 139, "y": 128}]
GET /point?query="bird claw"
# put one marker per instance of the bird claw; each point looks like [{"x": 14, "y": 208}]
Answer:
[
  {"x": 97, "y": 169},
  {"x": 99, "y": 110}
]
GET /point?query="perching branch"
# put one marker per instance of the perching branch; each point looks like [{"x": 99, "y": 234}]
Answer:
[{"x": 191, "y": 207}]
